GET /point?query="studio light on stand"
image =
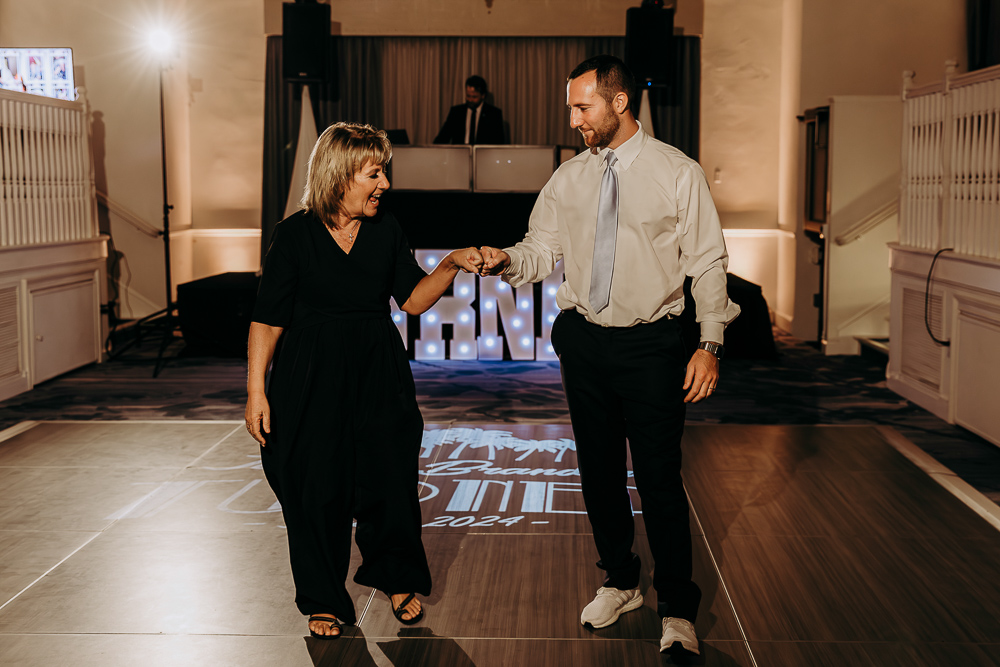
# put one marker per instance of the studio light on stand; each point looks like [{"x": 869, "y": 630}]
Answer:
[
  {"x": 162, "y": 47},
  {"x": 649, "y": 51}
]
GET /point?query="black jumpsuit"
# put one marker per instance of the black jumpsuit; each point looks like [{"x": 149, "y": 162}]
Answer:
[{"x": 345, "y": 427}]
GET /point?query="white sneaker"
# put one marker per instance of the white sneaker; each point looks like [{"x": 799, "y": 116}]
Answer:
[
  {"x": 609, "y": 604},
  {"x": 677, "y": 631}
]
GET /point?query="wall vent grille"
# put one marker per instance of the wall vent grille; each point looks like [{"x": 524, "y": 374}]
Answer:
[
  {"x": 922, "y": 356},
  {"x": 9, "y": 340}
]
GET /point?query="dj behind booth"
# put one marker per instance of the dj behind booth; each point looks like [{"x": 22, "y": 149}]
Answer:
[{"x": 450, "y": 196}]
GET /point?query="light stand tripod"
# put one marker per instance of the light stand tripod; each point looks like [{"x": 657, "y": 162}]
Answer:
[{"x": 163, "y": 320}]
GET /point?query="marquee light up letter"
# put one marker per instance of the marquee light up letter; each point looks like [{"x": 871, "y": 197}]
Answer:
[
  {"x": 498, "y": 302},
  {"x": 516, "y": 308},
  {"x": 543, "y": 344},
  {"x": 455, "y": 310},
  {"x": 399, "y": 319}
]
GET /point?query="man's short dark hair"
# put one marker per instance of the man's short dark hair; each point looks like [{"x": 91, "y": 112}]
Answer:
[
  {"x": 613, "y": 77},
  {"x": 477, "y": 82}
]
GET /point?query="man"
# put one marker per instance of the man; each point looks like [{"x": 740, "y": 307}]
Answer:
[
  {"x": 630, "y": 217},
  {"x": 474, "y": 122}
]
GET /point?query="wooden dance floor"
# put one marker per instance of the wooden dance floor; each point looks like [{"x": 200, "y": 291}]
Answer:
[{"x": 159, "y": 543}]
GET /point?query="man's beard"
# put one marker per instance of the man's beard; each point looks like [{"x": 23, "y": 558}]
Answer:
[{"x": 605, "y": 133}]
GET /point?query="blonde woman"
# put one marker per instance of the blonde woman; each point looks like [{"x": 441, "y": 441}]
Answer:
[{"x": 338, "y": 422}]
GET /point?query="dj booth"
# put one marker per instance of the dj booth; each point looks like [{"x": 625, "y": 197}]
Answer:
[{"x": 448, "y": 197}]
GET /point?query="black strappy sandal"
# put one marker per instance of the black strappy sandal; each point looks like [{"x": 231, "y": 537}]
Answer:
[
  {"x": 326, "y": 619},
  {"x": 401, "y": 609}
]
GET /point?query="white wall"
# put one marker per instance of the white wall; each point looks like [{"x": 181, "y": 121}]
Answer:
[
  {"x": 214, "y": 108},
  {"x": 764, "y": 61},
  {"x": 858, "y": 47},
  {"x": 740, "y": 96},
  {"x": 122, "y": 85},
  {"x": 226, "y": 56},
  {"x": 855, "y": 47},
  {"x": 493, "y": 18}
]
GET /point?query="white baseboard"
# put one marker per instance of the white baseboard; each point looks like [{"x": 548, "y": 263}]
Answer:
[
  {"x": 955, "y": 485},
  {"x": 925, "y": 397},
  {"x": 14, "y": 385}
]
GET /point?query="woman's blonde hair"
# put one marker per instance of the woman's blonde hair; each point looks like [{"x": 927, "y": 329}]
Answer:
[{"x": 340, "y": 153}]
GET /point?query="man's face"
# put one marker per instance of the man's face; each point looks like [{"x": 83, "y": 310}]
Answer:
[
  {"x": 473, "y": 98},
  {"x": 589, "y": 113}
]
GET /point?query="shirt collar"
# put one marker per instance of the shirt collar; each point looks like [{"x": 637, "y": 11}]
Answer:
[{"x": 628, "y": 151}]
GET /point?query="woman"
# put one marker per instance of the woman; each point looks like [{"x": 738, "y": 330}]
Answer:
[{"x": 338, "y": 425}]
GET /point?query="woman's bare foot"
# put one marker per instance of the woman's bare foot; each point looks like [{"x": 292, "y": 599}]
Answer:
[
  {"x": 325, "y": 628},
  {"x": 411, "y": 611}
]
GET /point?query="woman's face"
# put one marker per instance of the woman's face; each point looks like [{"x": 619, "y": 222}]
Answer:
[{"x": 363, "y": 191}]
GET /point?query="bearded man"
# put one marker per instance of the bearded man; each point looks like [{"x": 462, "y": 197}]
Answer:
[{"x": 631, "y": 217}]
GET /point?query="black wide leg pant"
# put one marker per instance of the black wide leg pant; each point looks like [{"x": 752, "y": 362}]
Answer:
[
  {"x": 625, "y": 383},
  {"x": 344, "y": 445}
]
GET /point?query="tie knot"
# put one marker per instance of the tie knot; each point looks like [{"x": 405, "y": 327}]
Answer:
[{"x": 611, "y": 158}]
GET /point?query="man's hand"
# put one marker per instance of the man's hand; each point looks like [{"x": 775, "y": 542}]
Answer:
[
  {"x": 495, "y": 261},
  {"x": 468, "y": 259},
  {"x": 702, "y": 375}
]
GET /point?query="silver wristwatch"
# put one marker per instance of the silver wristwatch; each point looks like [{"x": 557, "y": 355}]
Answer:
[{"x": 714, "y": 348}]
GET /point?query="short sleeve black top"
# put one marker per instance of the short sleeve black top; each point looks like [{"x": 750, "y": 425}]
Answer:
[{"x": 308, "y": 278}]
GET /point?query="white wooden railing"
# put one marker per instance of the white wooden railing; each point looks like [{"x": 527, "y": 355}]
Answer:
[
  {"x": 46, "y": 182},
  {"x": 951, "y": 164}
]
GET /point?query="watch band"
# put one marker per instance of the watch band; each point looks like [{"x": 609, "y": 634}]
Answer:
[{"x": 715, "y": 348}]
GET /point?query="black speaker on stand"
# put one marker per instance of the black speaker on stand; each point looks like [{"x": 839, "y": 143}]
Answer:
[
  {"x": 649, "y": 30},
  {"x": 305, "y": 39}
]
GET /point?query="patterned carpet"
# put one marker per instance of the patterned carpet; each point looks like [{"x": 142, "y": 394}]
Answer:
[{"x": 802, "y": 386}]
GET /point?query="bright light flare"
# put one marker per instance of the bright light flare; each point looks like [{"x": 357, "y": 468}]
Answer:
[{"x": 161, "y": 42}]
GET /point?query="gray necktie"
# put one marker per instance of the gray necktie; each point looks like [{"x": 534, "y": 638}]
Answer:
[{"x": 604, "y": 238}]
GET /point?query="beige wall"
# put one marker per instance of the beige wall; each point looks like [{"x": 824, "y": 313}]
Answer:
[
  {"x": 122, "y": 87},
  {"x": 226, "y": 56},
  {"x": 859, "y": 47},
  {"x": 740, "y": 97},
  {"x": 764, "y": 61},
  {"x": 520, "y": 18},
  {"x": 214, "y": 103}
]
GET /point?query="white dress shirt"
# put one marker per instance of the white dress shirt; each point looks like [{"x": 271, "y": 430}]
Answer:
[
  {"x": 667, "y": 226},
  {"x": 472, "y": 121}
]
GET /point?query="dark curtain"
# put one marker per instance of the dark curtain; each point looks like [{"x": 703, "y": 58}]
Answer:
[
  {"x": 354, "y": 93},
  {"x": 676, "y": 108},
  {"x": 983, "y": 31}
]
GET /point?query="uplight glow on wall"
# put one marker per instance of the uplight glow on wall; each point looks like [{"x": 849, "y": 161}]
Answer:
[{"x": 497, "y": 304}]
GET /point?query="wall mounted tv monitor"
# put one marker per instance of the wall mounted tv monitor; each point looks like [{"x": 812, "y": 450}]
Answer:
[{"x": 47, "y": 72}]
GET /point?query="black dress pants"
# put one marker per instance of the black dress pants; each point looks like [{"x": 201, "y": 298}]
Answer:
[{"x": 625, "y": 383}]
